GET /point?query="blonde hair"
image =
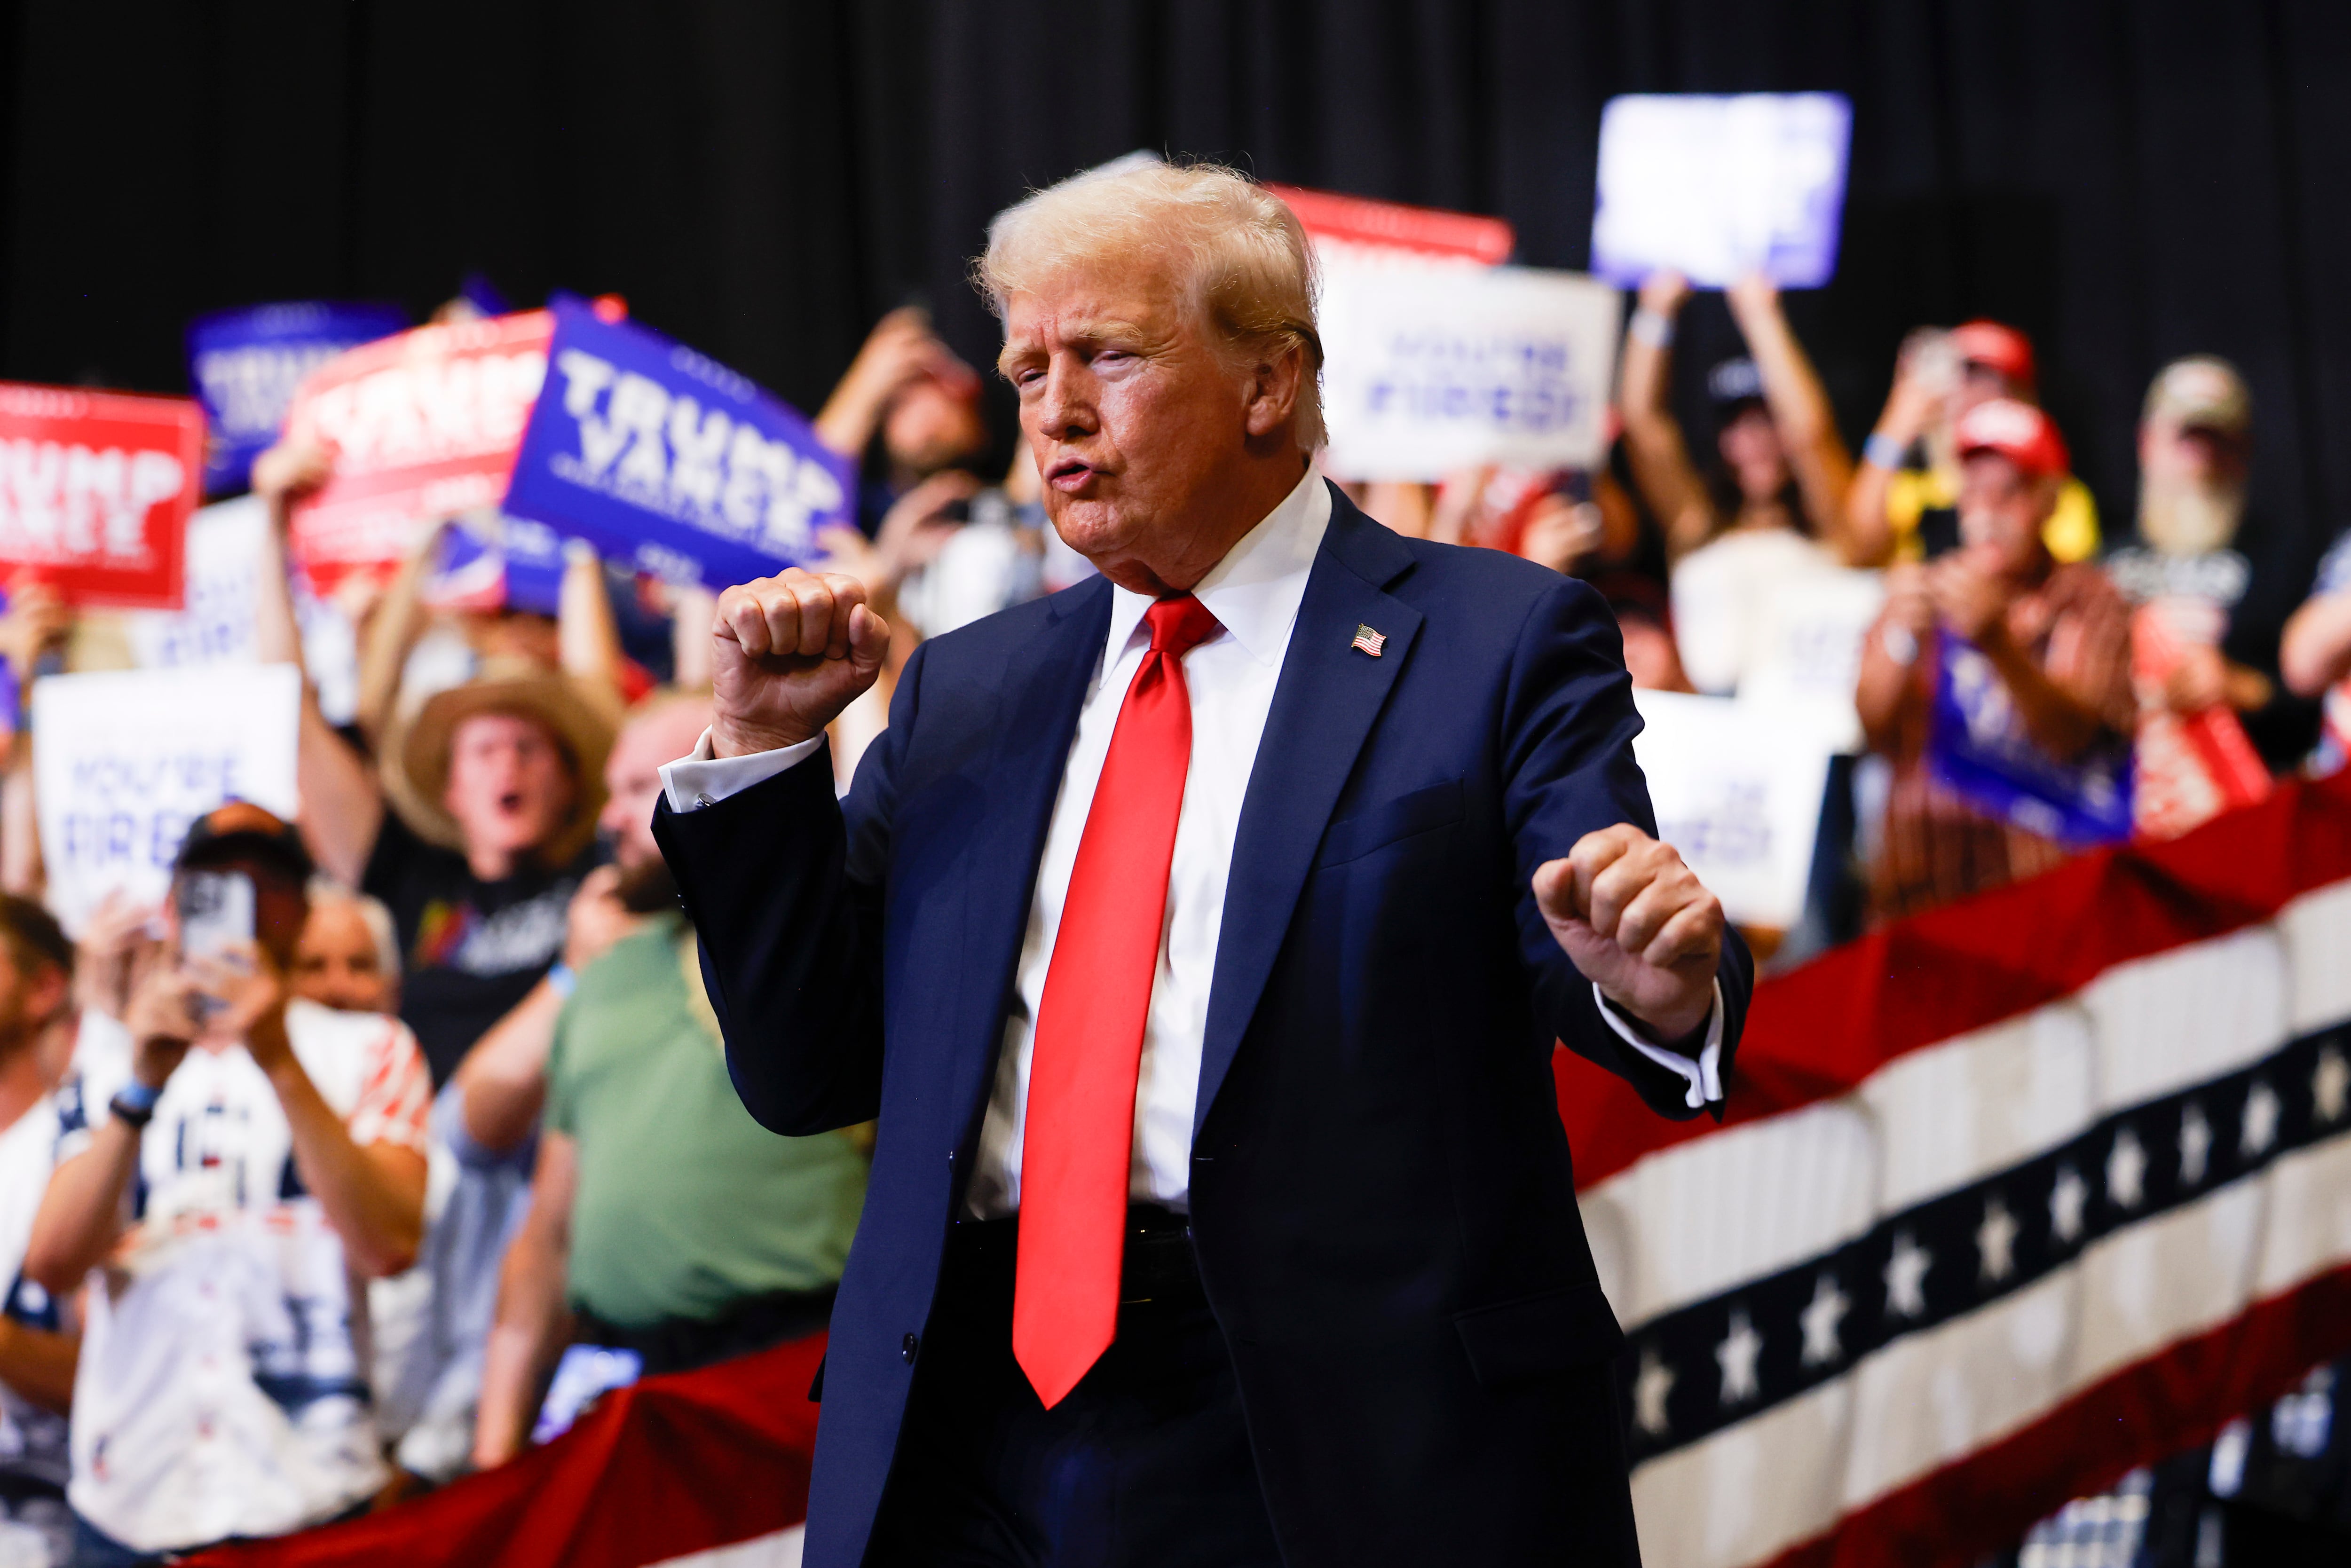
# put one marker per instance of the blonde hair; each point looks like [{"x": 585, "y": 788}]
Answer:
[{"x": 1248, "y": 267}]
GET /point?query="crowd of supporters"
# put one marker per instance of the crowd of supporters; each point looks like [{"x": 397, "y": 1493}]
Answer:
[{"x": 294, "y": 1228}]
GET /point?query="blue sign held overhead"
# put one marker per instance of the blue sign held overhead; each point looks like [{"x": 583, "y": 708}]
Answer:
[
  {"x": 663, "y": 459},
  {"x": 1978, "y": 748},
  {"x": 246, "y": 363},
  {"x": 491, "y": 562}
]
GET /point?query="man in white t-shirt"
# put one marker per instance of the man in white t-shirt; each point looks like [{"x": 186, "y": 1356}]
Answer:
[
  {"x": 230, "y": 1183},
  {"x": 36, "y": 1339}
]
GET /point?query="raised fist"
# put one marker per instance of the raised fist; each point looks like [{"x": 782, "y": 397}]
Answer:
[
  {"x": 788, "y": 653},
  {"x": 1638, "y": 923}
]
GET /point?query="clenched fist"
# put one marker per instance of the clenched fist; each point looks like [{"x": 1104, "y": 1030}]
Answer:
[
  {"x": 1638, "y": 923},
  {"x": 788, "y": 653}
]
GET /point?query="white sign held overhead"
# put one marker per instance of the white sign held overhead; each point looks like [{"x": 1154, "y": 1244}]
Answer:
[
  {"x": 1432, "y": 366},
  {"x": 123, "y": 761},
  {"x": 225, "y": 548},
  {"x": 1737, "y": 787},
  {"x": 1716, "y": 188},
  {"x": 223, "y": 564}
]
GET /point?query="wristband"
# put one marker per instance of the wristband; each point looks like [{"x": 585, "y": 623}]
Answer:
[
  {"x": 1652, "y": 328},
  {"x": 1884, "y": 451},
  {"x": 563, "y": 979},
  {"x": 134, "y": 1104}
]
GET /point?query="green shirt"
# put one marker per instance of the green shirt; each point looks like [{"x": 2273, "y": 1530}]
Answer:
[{"x": 685, "y": 1206}]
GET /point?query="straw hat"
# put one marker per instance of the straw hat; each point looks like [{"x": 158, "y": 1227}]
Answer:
[{"x": 415, "y": 760}]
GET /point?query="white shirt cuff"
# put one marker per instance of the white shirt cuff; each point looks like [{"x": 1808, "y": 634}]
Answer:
[
  {"x": 1704, "y": 1075},
  {"x": 703, "y": 777}
]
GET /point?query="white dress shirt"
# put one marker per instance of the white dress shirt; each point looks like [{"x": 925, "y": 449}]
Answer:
[{"x": 1254, "y": 593}]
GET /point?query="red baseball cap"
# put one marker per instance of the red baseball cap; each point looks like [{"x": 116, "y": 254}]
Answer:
[
  {"x": 1999, "y": 348},
  {"x": 2017, "y": 432}
]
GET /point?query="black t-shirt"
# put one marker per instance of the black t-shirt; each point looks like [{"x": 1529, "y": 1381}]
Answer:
[
  {"x": 470, "y": 950},
  {"x": 2254, "y": 594}
]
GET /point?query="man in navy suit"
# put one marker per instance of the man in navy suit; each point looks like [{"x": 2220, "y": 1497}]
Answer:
[{"x": 1198, "y": 936}]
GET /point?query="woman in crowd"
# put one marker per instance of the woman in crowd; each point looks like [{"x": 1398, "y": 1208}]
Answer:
[{"x": 1774, "y": 490}]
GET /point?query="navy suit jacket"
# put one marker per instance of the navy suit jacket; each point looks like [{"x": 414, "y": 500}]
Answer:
[{"x": 1382, "y": 1200}]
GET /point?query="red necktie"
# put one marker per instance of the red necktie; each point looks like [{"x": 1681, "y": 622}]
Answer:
[{"x": 1087, "y": 1046}]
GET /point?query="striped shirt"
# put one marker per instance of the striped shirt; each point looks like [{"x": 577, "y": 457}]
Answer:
[{"x": 1937, "y": 847}]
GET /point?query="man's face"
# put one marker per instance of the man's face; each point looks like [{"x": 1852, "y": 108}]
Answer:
[
  {"x": 2001, "y": 510},
  {"x": 2191, "y": 484},
  {"x": 510, "y": 786},
  {"x": 632, "y": 778},
  {"x": 1129, "y": 411},
  {"x": 928, "y": 426},
  {"x": 336, "y": 963}
]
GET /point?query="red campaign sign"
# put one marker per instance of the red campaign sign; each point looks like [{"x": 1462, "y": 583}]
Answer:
[
  {"x": 1392, "y": 225},
  {"x": 423, "y": 425},
  {"x": 2191, "y": 767},
  {"x": 96, "y": 489}
]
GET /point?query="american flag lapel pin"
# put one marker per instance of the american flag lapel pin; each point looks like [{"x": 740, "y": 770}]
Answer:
[{"x": 1369, "y": 641}]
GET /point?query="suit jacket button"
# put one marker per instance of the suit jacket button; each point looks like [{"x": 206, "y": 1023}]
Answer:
[{"x": 907, "y": 1348}]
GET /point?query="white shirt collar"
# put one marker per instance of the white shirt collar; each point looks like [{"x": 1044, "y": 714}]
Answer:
[{"x": 1255, "y": 592}]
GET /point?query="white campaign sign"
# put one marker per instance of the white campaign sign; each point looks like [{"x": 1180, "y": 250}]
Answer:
[
  {"x": 123, "y": 761},
  {"x": 222, "y": 564},
  {"x": 1737, "y": 787},
  {"x": 217, "y": 626},
  {"x": 1809, "y": 650},
  {"x": 1434, "y": 366},
  {"x": 1717, "y": 187}
]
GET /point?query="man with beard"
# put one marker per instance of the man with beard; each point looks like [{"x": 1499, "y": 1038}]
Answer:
[
  {"x": 2195, "y": 452},
  {"x": 676, "y": 1261}
]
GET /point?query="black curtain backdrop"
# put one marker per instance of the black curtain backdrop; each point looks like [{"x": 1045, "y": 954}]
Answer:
[{"x": 2128, "y": 180}]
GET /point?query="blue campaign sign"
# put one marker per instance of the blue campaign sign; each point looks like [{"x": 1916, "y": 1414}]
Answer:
[
  {"x": 1977, "y": 748},
  {"x": 489, "y": 562},
  {"x": 246, "y": 363},
  {"x": 662, "y": 458}
]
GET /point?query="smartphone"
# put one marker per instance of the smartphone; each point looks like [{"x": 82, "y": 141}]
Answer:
[
  {"x": 215, "y": 909},
  {"x": 1939, "y": 532}
]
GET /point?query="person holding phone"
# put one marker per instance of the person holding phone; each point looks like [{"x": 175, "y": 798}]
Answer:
[
  {"x": 235, "y": 1161},
  {"x": 1904, "y": 502},
  {"x": 2055, "y": 635}
]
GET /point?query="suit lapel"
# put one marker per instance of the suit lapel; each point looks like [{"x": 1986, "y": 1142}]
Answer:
[
  {"x": 1037, "y": 719},
  {"x": 1324, "y": 706}
]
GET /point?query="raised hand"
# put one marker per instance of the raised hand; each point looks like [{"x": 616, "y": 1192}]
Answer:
[
  {"x": 788, "y": 653},
  {"x": 1638, "y": 923},
  {"x": 37, "y": 619},
  {"x": 289, "y": 469},
  {"x": 597, "y": 918},
  {"x": 1665, "y": 292},
  {"x": 245, "y": 999},
  {"x": 1969, "y": 598},
  {"x": 1754, "y": 295},
  {"x": 161, "y": 1017}
]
